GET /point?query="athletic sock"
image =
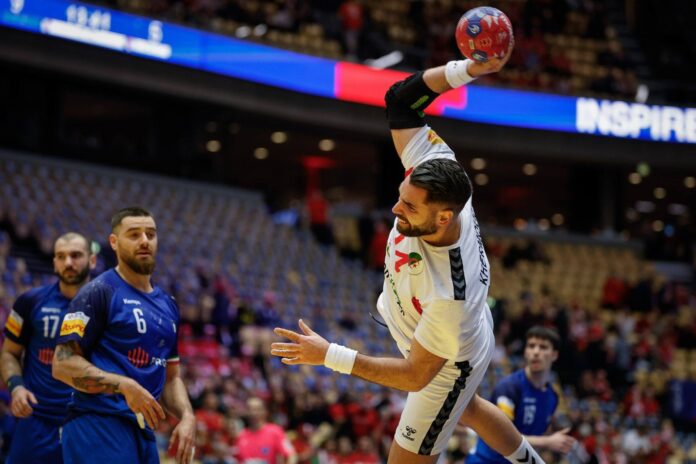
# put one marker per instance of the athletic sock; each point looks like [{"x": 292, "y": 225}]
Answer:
[{"x": 525, "y": 454}]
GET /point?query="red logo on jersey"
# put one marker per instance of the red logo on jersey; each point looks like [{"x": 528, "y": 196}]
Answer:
[
  {"x": 403, "y": 257},
  {"x": 46, "y": 356},
  {"x": 417, "y": 305},
  {"x": 138, "y": 357}
]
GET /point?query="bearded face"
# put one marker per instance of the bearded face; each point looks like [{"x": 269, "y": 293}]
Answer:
[
  {"x": 135, "y": 243},
  {"x": 407, "y": 229},
  {"x": 71, "y": 260}
]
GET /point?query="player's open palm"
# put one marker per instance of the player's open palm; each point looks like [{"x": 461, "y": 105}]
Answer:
[
  {"x": 142, "y": 403},
  {"x": 22, "y": 399},
  {"x": 561, "y": 442},
  {"x": 306, "y": 348},
  {"x": 184, "y": 437}
]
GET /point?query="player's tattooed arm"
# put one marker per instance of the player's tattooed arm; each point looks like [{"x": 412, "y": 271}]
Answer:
[
  {"x": 95, "y": 384},
  {"x": 71, "y": 367},
  {"x": 10, "y": 359},
  {"x": 66, "y": 350}
]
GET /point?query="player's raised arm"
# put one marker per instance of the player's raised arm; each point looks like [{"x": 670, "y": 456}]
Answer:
[{"x": 406, "y": 100}]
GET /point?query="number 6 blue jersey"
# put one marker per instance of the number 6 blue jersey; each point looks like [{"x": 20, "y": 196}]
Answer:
[
  {"x": 34, "y": 323},
  {"x": 123, "y": 331}
]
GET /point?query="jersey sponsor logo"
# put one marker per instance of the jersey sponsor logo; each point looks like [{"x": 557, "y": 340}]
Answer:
[
  {"x": 408, "y": 432},
  {"x": 415, "y": 263},
  {"x": 74, "y": 323},
  {"x": 50, "y": 310},
  {"x": 135, "y": 302},
  {"x": 141, "y": 358},
  {"x": 433, "y": 138},
  {"x": 403, "y": 259},
  {"x": 45, "y": 356},
  {"x": 138, "y": 357},
  {"x": 14, "y": 323}
]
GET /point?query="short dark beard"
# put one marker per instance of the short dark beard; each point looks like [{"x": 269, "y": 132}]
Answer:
[
  {"x": 139, "y": 267},
  {"x": 415, "y": 231},
  {"x": 77, "y": 279}
]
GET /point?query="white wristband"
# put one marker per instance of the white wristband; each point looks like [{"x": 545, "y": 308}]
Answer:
[
  {"x": 340, "y": 359},
  {"x": 457, "y": 73}
]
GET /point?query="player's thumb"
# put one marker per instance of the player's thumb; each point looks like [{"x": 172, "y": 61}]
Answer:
[
  {"x": 32, "y": 398},
  {"x": 564, "y": 431},
  {"x": 305, "y": 328}
]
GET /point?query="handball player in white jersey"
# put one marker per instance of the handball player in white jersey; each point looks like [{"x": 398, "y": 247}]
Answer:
[{"x": 436, "y": 280}]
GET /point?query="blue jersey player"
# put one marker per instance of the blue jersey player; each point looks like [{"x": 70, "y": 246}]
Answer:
[
  {"x": 528, "y": 398},
  {"x": 31, "y": 330},
  {"x": 117, "y": 348}
]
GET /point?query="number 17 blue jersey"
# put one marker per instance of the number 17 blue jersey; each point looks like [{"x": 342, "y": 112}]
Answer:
[{"x": 33, "y": 323}]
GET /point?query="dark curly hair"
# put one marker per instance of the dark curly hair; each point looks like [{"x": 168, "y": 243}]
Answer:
[{"x": 445, "y": 181}]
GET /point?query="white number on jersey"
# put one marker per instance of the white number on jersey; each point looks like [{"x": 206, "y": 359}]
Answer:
[
  {"x": 139, "y": 321},
  {"x": 529, "y": 414},
  {"x": 51, "y": 321}
]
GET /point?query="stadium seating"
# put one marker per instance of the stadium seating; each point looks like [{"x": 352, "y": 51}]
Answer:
[{"x": 236, "y": 274}]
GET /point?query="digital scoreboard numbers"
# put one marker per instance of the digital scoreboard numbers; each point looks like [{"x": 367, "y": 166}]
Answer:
[{"x": 91, "y": 25}]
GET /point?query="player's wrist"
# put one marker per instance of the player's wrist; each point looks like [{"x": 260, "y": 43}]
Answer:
[
  {"x": 124, "y": 385},
  {"x": 15, "y": 382},
  {"x": 459, "y": 72},
  {"x": 340, "y": 358}
]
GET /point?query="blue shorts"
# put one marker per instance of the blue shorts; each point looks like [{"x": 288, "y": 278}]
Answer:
[
  {"x": 91, "y": 438},
  {"x": 475, "y": 459},
  {"x": 35, "y": 441}
]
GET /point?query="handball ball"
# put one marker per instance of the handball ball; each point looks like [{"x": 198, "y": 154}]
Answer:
[{"x": 483, "y": 33}]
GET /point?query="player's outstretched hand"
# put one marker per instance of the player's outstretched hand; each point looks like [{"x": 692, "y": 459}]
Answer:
[
  {"x": 142, "y": 403},
  {"x": 22, "y": 399},
  {"x": 477, "y": 68},
  {"x": 309, "y": 348},
  {"x": 184, "y": 435},
  {"x": 561, "y": 442}
]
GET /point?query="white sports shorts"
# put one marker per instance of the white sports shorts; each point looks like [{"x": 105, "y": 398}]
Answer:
[{"x": 430, "y": 415}]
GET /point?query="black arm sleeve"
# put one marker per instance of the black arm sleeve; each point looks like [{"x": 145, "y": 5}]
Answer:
[{"x": 406, "y": 101}]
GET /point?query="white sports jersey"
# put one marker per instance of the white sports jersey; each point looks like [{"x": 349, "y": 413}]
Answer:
[{"x": 436, "y": 294}]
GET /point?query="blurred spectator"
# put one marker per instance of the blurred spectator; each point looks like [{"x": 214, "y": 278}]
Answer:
[
  {"x": 614, "y": 292},
  {"x": 378, "y": 245},
  {"x": 351, "y": 14},
  {"x": 318, "y": 212},
  {"x": 209, "y": 414},
  {"x": 261, "y": 441}
]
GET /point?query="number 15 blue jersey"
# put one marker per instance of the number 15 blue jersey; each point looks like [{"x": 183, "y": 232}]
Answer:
[{"x": 123, "y": 331}]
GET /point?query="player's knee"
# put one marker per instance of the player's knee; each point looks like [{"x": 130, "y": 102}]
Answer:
[{"x": 471, "y": 411}]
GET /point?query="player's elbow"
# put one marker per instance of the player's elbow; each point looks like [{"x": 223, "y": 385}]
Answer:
[{"x": 417, "y": 381}]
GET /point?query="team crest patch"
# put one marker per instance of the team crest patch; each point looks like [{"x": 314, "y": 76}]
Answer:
[
  {"x": 74, "y": 323},
  {"x": 415, "y": 263},
  {"x": 433, "y": 138},
  {"x": 14, "y": 323}
]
